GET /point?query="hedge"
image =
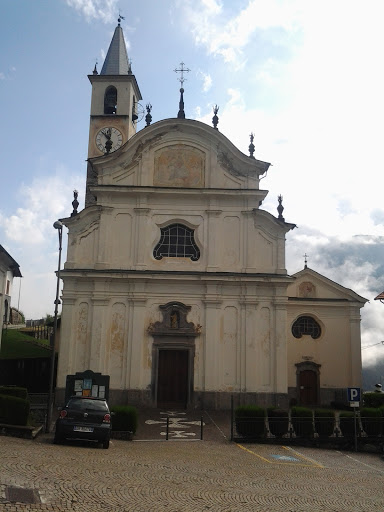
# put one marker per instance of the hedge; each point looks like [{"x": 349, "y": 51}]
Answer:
[
  {"x": 124, "y": 419},
  {"x": 14, "y": 391},
  {"x": 250, "y": 420},
  {"x": 14, "y": 410},
  {"x": 324, "y": 422},
  {"x": 371, "y": 420},
  {"x": 347, "y": 424},
  {"x": 278, "y": 421},
  {"x": 373, "y": 399},
  {"x": 302, "y": 421}
]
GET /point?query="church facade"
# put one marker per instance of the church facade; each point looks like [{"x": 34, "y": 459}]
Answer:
[{"x": 175, "y": 282}]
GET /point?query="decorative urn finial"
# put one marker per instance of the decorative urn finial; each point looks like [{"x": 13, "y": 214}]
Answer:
[
  {"x": 251, "y": 147},
  {"x": 280, "y": 208},
  {"x": 75, "y": 203},
  {"x": 148, "y": 117},
  {"x": 215, "y": 119}
]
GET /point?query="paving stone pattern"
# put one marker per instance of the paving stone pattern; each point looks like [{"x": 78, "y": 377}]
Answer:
[{"x": 182, "y": 476}]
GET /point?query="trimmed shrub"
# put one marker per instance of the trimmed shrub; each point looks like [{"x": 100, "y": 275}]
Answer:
[
  {"x": 347, "y": 424},
  {"x": 371, "y": 420},
  {"x": 250, "y": 420},
  {"x": 373, "y": 399},
  {"x": 13, "y": 410},
  {"x": 125, "y": 418},
  {"x": 14, "y": 391},
  {"x": 278, "y": 421},
  {"x": 324, "y": 422},
  {"x": 302, "y": 421}
]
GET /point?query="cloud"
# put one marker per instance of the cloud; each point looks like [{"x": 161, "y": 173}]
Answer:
[
  {"x": 227, "y": 36},
  {"x": 104, "y": 10},
  {"x": 206, "y": 79},
  {"x": 355, "y": 263},
  {"x": 28, "y": 235}
]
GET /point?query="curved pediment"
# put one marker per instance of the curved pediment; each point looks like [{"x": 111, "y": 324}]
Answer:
[{"x": 179, "y": 153}]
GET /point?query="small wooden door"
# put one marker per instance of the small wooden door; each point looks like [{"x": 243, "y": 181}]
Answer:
[
  {"x": 172, "y": 382},
  {"x": 308, "y": 387}
]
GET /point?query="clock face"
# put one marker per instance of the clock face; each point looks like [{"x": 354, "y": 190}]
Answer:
[{"x": 109, "y": 134}]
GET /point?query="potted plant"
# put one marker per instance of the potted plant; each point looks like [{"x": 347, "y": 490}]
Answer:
[
  {"x": 347, "y": 424},
  {"x": 371, "y": 420},
  {"x": 250, "y": 421},
  {"x": 278, "y": 421},
  {"x": 324, "y": 422},
  {"x": 302, "y": 421}
]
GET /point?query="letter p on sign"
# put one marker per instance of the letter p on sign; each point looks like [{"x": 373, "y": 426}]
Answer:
[{"x": 353, "y": 394}]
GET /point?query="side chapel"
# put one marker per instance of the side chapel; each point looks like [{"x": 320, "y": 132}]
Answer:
[{"x": 175, "y": 282}]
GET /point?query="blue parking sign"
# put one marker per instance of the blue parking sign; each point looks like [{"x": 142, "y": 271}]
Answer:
[{"x": 353, "y": 394}]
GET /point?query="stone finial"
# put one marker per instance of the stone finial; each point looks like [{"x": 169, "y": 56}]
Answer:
[
  {"x": 75, "y": 203},
  {"x": 280, "y": 208},
  {"x": 215, "y": 119},
  {"x": 148, "y": 117},
  {"x": 95, "y": 69},
  {"x": 251, "y": 147}
]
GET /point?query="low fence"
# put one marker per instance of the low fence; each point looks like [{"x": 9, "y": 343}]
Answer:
[
  {"x": 38, "y": 407},
  {"x": 353, "y": 432}
]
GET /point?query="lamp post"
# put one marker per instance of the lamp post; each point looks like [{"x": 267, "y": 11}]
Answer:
[{"x": 59, "y": 226}]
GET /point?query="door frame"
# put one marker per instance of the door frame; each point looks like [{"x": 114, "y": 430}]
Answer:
[
  {"x": 173, "y": 332},
  {"x": 308, "y": 366},
  {"x": 173, "y": 344}
]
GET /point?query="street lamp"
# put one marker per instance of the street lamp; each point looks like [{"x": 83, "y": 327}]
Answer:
[{"x": 59, "y": 226}]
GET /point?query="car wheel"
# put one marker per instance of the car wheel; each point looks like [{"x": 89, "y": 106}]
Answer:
[
  {"x": 58, "y": 439},
  {"x": 106, "y": 444}
]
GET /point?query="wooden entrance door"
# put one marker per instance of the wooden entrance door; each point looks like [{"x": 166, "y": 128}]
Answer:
[
  {"x": 308, "y": 387},
  {"x": 172, "y": 382}
]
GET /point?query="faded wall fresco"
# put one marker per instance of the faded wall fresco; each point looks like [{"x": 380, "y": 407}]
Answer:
[
  {"x": 179, "y": 166},
  {"x": 116, "y": 348},
  {"x": 81, "y": 359},
  {"x": 230, "y": 345},
  {"x": 265, "y": 339}
]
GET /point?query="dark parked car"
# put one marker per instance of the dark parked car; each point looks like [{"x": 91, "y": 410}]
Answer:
[{"x": 84, "y": 418}]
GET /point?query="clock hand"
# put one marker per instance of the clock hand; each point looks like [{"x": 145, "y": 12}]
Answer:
[{"x": 106, "y": 134}]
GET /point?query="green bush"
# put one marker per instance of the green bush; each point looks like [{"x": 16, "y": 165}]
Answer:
[
  {"x": 371, "y": 420},
  {"x": 13, "y": 410},
  {"x": 373, "y": 399},
  {"x": 347, "y": 424},
  {"x": 302, "y": 421},
  {"x": 124, "y": 419},
  {"x": 14, "y": 391},
  {"x": 278, "y": 421},
  {"x": 324, "y": 422},
  {"x": 250, "y": 420}
]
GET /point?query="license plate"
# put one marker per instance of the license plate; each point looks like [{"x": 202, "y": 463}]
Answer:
[{"x": 83, "y": 429}]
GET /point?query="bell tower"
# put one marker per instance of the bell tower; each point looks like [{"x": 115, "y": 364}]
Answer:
[{"x": 115, "y": 94}]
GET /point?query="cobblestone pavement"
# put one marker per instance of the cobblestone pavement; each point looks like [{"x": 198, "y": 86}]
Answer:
[{"x": 181, "y": 476}]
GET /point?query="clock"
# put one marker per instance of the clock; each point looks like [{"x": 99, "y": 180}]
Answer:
[{"x": 109, "y": 139}]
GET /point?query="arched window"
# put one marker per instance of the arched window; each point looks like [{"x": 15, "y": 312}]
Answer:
[
  {"x": 176, "y": 241},
  {"x": 306, "y": 325},
  {"x": 110, "y": 100}
]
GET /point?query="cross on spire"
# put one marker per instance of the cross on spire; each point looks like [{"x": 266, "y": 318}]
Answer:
[
  {"x": 182, "y": 70},
  {"x": 305, "y": 260}
]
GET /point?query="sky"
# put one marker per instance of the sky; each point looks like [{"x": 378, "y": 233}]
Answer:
[{"x": 305, "y": 76}]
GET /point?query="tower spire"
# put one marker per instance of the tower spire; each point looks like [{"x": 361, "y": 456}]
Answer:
[{"x": 116, "y": 62}]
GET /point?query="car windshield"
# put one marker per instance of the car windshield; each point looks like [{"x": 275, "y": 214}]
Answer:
[{"x": 82, "y": 405}]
